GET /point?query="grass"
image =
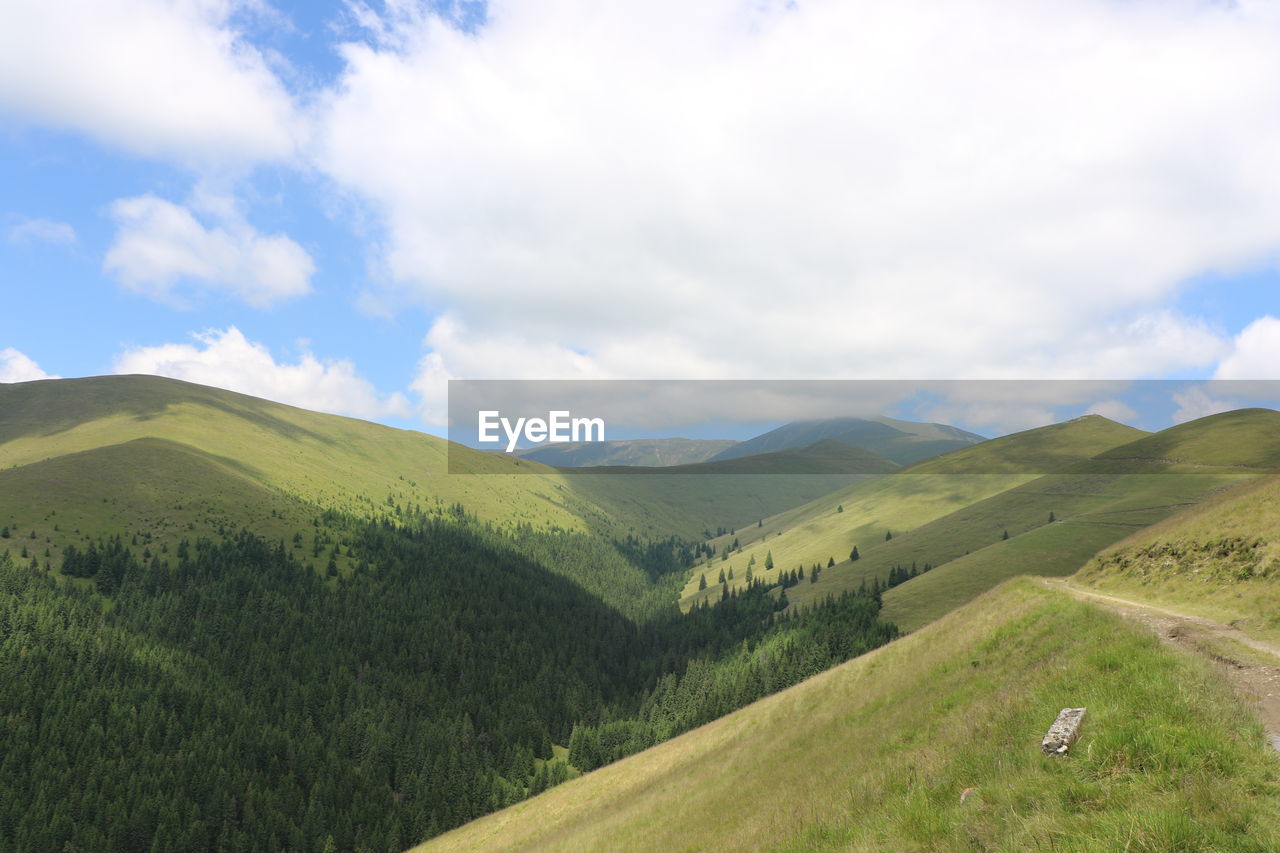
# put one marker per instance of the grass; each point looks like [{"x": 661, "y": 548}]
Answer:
[
  {"x": 1220, "y": 559},
  {"x": 348, "y": 465},
  {"x": 923, "y": 500},
  {"x": 874, "y": 755},
  {"x": 1092, "y": 512}
]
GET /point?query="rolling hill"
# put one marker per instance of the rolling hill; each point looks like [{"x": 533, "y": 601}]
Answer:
[
  {"x": 1220, "y": 559},
  {"x": 906, "y": 500},
  {"x": 160, "y": 460},
  {"x": 903, "y": 442},
  {"x": 933, "y": 741},
  {"x": 1105, "y": 499}
]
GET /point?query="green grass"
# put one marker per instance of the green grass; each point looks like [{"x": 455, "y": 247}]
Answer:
[
  {"x": 1220, "y": 559},
  {"x": 1248, "y": 437},
  {"x": 925, "y": 495},
  {"x": 874, "y": 755},
  {"x": 1092, "y": 511},
  {"x": 348, "y": 465}
]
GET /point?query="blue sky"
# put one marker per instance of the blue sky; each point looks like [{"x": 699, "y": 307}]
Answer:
[{"x": 343, "y": 205}]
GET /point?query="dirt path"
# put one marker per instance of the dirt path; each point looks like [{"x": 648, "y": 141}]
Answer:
[{"x": 1255, "y": 676}]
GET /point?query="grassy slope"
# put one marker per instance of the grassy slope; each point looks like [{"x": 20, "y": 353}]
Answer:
[
  {"x": 1104, "y": 500},
  {"x": 1220, "y": 559},
  {"x": 329, "y": 462},
  {"x": 912, "y": 499},
  {"x": 873, "y": 755}
]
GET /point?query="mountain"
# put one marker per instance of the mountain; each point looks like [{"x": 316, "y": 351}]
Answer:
[
  {"x": 640, "y": 451},
  {"x": 161, "y": 459},
  {"x": 933, "y": 743},
  {"x": 903, "y": 442},
  {"x": 861, "y": 514},
  {"x": 234, "y": 624},
  {"x": 824, "y": 457},
  {"x": 240, "y": 625},
  {"x": 1092, "y": 504}
]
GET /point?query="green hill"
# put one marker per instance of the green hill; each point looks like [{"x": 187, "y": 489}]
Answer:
[
  {"x": 1096, "y": 503},
  {"x": 158, "y": 460},
  {"x": 877, "y": 754},
  {"x": 908, "y": 500},
  {"x": 1220, "y": 559},
  {"x": 1246, "y": 437}
]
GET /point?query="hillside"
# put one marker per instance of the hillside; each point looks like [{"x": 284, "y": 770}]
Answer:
[
  {"x": 903, "y": 442},
  {"x": 1220, "y": 559},
  {"x": 159, "y": 460},
  {"x": 909, "y": 500},
  {"x": 875, "y": 754},
  {"x": 639, "y": 451},
  {"x": 1096, "y": 503}
]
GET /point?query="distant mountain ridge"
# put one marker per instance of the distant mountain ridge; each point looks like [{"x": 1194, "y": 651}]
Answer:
[
  {"x": 654, "y": 452},
  {"x": 903, "y": 442},
  {"x": 824, "y": 457}
]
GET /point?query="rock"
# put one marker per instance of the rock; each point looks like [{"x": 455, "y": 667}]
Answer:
[{"x": 1063, "y": 732}]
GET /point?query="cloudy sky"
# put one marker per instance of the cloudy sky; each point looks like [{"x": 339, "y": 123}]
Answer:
[{"x": 341, "y": 205}]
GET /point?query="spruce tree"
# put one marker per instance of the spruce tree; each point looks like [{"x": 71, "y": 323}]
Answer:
[{"x": 853, "y": 555}]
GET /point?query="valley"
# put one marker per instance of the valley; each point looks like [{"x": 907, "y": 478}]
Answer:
[{"x": 526, "y": 656}]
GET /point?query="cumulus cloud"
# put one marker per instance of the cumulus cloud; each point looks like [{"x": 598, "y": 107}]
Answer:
[
  {"x": 226, "y": 359},
  {"x": 819, "y": 189},
  {"x": 1114, "y": 410},
  {"x": 29, "y": 231},
  {"x": 157, "y": 77},
  {"x": 16, "y": 366},
  {"x": 160, "y": 245},
  {"x": 1196, "y": 402},
  {"x": 1255, "y": 353}
]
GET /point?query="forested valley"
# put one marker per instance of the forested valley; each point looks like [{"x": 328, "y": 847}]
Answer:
[{"x": 238, "y": 694}]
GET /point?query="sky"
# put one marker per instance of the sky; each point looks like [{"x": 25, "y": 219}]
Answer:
[{"x": 343, "y": 205}]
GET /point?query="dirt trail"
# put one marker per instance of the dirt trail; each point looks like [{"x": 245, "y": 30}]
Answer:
[{"x": 1256, "y": 677}]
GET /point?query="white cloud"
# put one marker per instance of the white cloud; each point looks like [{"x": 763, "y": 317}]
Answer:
[
  {"x": 824, "y": 189},
  {"x": 158, "y": 77},
  {"x": 28, "y": 231},
  {"x": 15, "y": 366},
  {"x": 1115, "y": 410},
  {"x": 1195, "y": 402},
  {"x": 1255, "y": 353},
  {"x": 160, "y": 245},
  {"x": 226, "y": 359}
]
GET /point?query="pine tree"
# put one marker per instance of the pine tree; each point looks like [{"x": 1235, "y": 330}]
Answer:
[
  {"x": 831, "y": 561},
  {"x": 1052, "y": 518},
  {"x": 853, "y": 555},
  {"x": 768, "y": 560},
  {"x": 702, "y": 581},
  {"x": 888, "y": 535},
  {"x": 1004, "y": 535}
]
